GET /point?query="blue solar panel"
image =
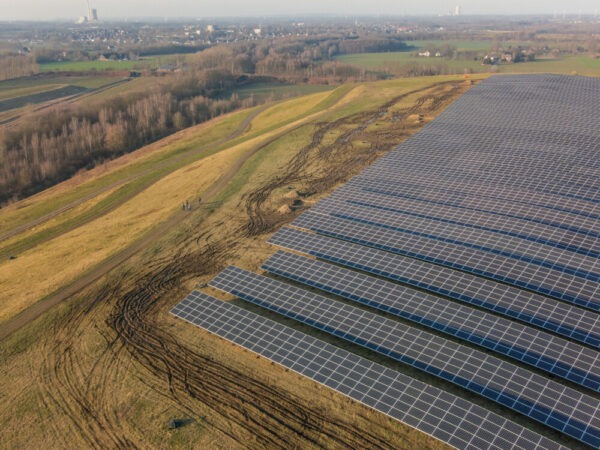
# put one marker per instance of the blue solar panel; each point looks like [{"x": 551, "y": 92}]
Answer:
[
  {"x": 532, "y": 252},
  {"x": 444, "y": 416},
  {"x": 534, "y": 396},
  {"x": 512, "y": 302},
  {"x": 493, "y": 210},
  {"x": 541, "y": 350},
  {"x": 510, "y": 203},
  {"x": 542, "y": 280},
  {"x": 418, "y": 205}
]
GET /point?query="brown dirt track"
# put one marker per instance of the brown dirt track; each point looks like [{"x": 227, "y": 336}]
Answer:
[{"x": 128, "y": 314}]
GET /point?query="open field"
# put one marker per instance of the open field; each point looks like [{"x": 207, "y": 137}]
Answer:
[
  {"x": 394, "y": 61},
  {"x": 28, "y": 95},
  {"x": 40, "y": 97},
  {"x": 143, "y": 63},
  {"x": 86, "y": 66},
  {"x": 108, "y": 367},
  {"x": 11, "y": 88},
  {"x": 270, "y": 91},
  {"x": 8, "y": 93},
  {"x": 465, "y": 45}
]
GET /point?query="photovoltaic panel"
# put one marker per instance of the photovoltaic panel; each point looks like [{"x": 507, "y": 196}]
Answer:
[
  {"x": 531, "y": 206},
  {"x": 494, "y": 206},
  {"x": 531, "y": 141},
  {"x": 532, "y": 395},
  {"x": 446, "y": 417},
  {"x": 542, "y": 280},
  {"x": 512, "y": 302},
  {"x": 511, "y": 172},
  {"x": 584, "y": 244},
  {"x": 530, "y": 346},
  {"x": 509, "y": 246}
]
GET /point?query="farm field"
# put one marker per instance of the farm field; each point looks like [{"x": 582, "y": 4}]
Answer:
[
  {"x": 394, "y": 61},
  {"x": 41, "y": 97},
  {"x": 26, "y": 96},
  {"x": 38, "y": 83},
  {"x": 107, "y": 366},
  {"x": 86, "y": 66},
  {"x": 270, "y": 91}
]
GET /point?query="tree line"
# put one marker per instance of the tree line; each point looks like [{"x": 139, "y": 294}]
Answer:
[
  {"x": 306, "y": 59},
  {"x": 54, "y": 146},
  {"x": 51, "y": 147},
  {"x": 14, "y": 66}
]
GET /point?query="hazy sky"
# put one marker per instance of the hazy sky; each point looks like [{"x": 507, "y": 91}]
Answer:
[{"x": 71, "y": 9}]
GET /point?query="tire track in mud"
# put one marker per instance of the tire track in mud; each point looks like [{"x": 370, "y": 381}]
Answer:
[
  {"x": 340, "y": 154},
  {"x": 189, "y": 379}
]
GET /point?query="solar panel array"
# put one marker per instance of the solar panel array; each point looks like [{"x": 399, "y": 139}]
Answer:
[
  {"x": 472, "y": 259},
  {"x": 503, "y": 299},
  {"x": 525, "y": 306},
  {"x": 532, "y": 395},
  {"x": 449, "y": 418},
  {"x": 574, "y": 362},
  {"x": 480, "y": 239}
]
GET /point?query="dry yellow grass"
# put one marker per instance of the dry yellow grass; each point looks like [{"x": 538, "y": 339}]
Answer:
[
  {"x": 70, "y": 375},
  {"x": 54, "y": 264},
  {"x": 287, "y": 110},
  {"x": 57, "y": 220}
]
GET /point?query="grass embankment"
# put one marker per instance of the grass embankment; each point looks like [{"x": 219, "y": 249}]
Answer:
[
  {"x": 67, "y": 250},
  {"x": 69, "y": 378},
  {"x": 262, "y": 92}
]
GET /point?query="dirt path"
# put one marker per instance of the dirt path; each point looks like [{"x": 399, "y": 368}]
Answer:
[
  {"x": 211, "y": 193},
  {"x": 127, "y": 313},
  {"x": 33, "y": 223}
]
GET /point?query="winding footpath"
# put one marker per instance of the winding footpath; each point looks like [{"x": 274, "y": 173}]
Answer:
[{"x": 210, "y": 195}]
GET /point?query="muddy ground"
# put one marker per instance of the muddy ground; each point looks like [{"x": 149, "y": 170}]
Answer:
[{"x": 128, "y": 314}]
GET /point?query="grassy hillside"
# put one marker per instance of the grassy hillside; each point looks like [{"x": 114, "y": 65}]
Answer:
[{"x": 108, "y": 366}]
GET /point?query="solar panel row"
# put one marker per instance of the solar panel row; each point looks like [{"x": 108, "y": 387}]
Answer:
[
  {"x": 532, "y": 252},
  {"x": 534, "y": 396},
  {"x": 527, "y": 345},
  {"x": 497, "y": 173},
  {"x": 512, "y": 160},
  {"x": 560, "y": 238},
  {"x": 428, "y": 409},
  {"x": 513, "y": 271},
  {"x": 525, "y": 205},
  {"x": 510, "y": 301},
  {"x": 532, "y": 205},
  {"x": 464, "y": 154}
]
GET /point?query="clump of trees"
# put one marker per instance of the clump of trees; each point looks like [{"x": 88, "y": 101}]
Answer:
[
  {"x": 14, "y": 66},
  {"x": 51, "y": 147},
  {"x": 54, "y": 146},
  {"x": 310, "y": 59}
]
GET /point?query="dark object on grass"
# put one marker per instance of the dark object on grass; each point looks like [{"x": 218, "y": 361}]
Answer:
[{"x": 178, "y": 423}]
